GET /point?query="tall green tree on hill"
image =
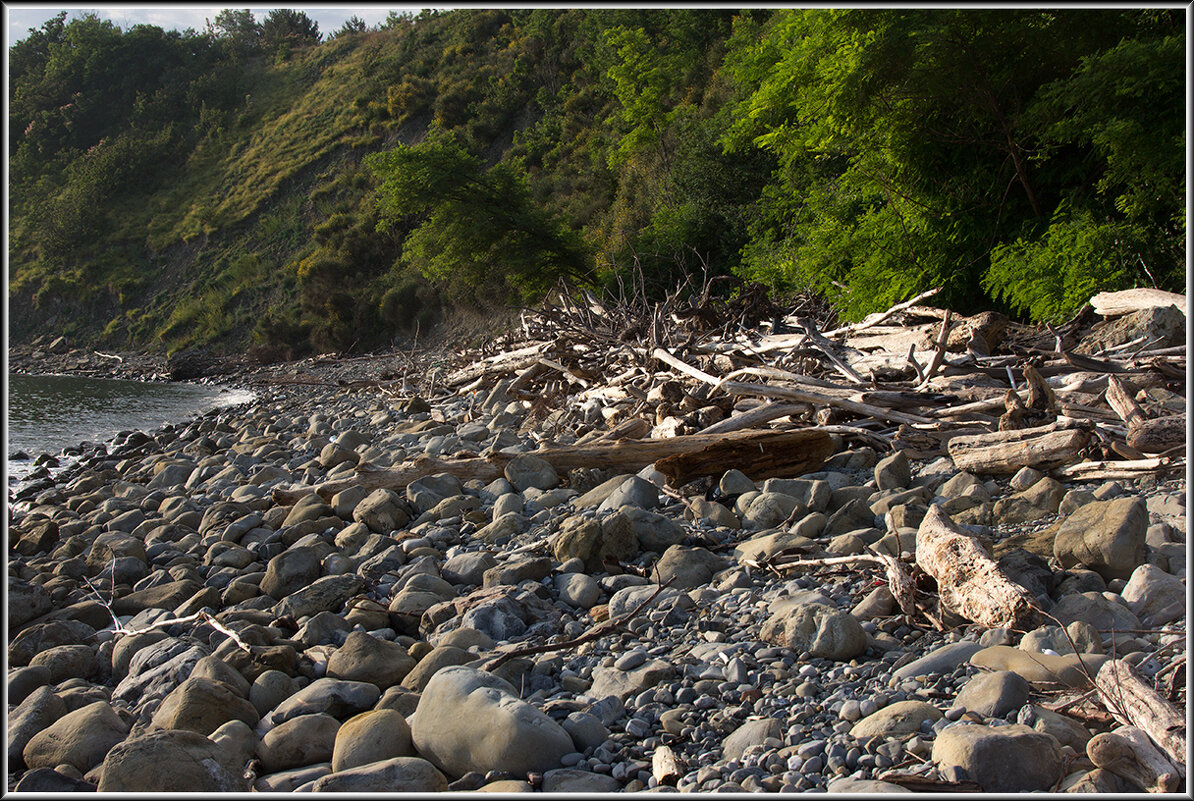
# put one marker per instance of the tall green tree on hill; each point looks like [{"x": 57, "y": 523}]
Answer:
[
  {"x": 238, "y": 28},
  {"x": 285, "y": 29},
  {"x": 476, "y": 231}
]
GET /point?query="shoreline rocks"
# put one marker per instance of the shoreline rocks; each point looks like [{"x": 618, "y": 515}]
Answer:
[{"x": 358, "y": 615}]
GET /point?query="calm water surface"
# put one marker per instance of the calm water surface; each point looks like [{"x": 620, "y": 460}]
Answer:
[{"x": 49, "y": 413}]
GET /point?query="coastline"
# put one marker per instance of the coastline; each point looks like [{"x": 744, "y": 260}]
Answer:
[{"x": 253, "y": 567}]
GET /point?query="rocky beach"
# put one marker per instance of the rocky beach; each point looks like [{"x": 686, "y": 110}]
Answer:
[{"x": 384, "y": 575}]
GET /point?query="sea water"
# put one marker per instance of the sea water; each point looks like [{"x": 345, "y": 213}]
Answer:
[{"x": 46, "y": 413}]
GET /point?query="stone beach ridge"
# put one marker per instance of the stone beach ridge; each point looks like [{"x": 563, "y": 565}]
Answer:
[{"x": 348, "y": 643}]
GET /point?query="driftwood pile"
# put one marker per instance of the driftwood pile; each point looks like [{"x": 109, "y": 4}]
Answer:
[
  {"x": 992, "y": 394},
  {"x": 694, "y": 386}
]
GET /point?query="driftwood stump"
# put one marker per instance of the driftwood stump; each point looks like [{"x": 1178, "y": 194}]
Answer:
[
  {"x": 969, "y": 582},
  {"x": 1128, "y": 752}
]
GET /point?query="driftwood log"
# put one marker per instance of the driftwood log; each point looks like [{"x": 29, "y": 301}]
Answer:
[
  {"x": 759, "y": 454},
  {"x": 1112, "y": 304},
  {"x": 969, "y": 582},
  {"x": 1147, "y": 435},
  {"x": 513, "y": 360},
  {"x": 1131, "y": 468},
  {"x": 1005, "y": 452},
  {"x": 1129, "y": 753},
  {"x": 763, "y": 454},
  {"x": 1131, "y": 701}
]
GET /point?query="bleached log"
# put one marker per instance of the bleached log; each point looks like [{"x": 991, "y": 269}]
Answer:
[
  {"x": 790, "y": 394},
  {"x": 502, "y": 362},
  {"x": 1112, "y": 304},
  {"x": 969, "y": 582},
  {"x": 1128, "y": 752},
  {"x": 938, "y": 352},
  {"x": 1155, "y": 435},
  {"x": 769, "y": 453},
  {"x": 570, "y": 374},
  {"x": 1129, "y": 468},
  {"x": 1122, "y": 403},
  {"x": 1132, "y": 702},
  {"x": 805, "y": 396},
  {"x": 1158, "y": 434},
  {"x": 1005, "y": 452},
  {"x": 755, "y": 417}
]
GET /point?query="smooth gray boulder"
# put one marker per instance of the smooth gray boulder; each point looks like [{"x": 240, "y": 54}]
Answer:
[
  {"x": 1105, "y": 536},
  {"x": 1002, "y": 759},
  {"x": 469, "y": 720}
]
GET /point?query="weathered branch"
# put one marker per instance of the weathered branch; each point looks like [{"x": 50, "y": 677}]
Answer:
[
  {"x": 969, "y": 582},
  {"x": 785, "y": 452},
  {"x": 1132, "y": 702},
  {"x": 1005, "y": 452}
]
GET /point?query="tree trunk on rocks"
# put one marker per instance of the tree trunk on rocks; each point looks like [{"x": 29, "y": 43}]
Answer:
[
  {"x": 759, "y": 454},
  {"x": 1113, "y": 304},
  {"x": 1128, "y": 752},
  {"x": 1159, "y": 434},
  {"x": 969, "y": 582},
  {"x": 1131, "y": 701},
  {"x": 1005, "y": 452}
]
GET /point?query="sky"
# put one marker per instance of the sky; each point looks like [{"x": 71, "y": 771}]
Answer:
[{"x": 20, "y": 17}]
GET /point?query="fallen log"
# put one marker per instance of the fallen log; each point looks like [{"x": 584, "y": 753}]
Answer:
[
  {"x": 969, "y": 582},
  {"x": 769, "y": 454},
  {"x": 502, "y": 362},
  {"x": 1113, "y": 304},
  {"x": 1005, "y": 452},
  {"x": 804, "y": 396},
  {"x": 1132, "y": 702},
  {"x": 789, "y": 394},
  {"x": 920, "y": 443},
  {"x": 756, "y": 416},
  {"x": 1128, "y": 752},
  {"x": 1132, "y": 468},
  {"x": 1122, "y": 403},
  {"x": 1158, "y": 434},
  {"x": 759, "y": 455}
]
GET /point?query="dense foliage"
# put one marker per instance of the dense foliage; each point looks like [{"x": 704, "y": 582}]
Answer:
[{"x": 257, "y": 181}]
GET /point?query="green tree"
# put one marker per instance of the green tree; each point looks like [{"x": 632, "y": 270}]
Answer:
[
  {"x": 352, "y": 25},
  {"x": 1122, "y": 221},
  {"x": 478, "y": 232},
  {"x": 906, "y": 147},
  {"x": 286, "y": 27},
  {"x": 238, "y": 28}
]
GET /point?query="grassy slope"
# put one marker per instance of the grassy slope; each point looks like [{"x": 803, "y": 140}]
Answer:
[{"x": 214, "y": 249}]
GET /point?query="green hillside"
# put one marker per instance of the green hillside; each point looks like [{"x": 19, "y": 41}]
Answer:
[{"x": 264, "y": 183}]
